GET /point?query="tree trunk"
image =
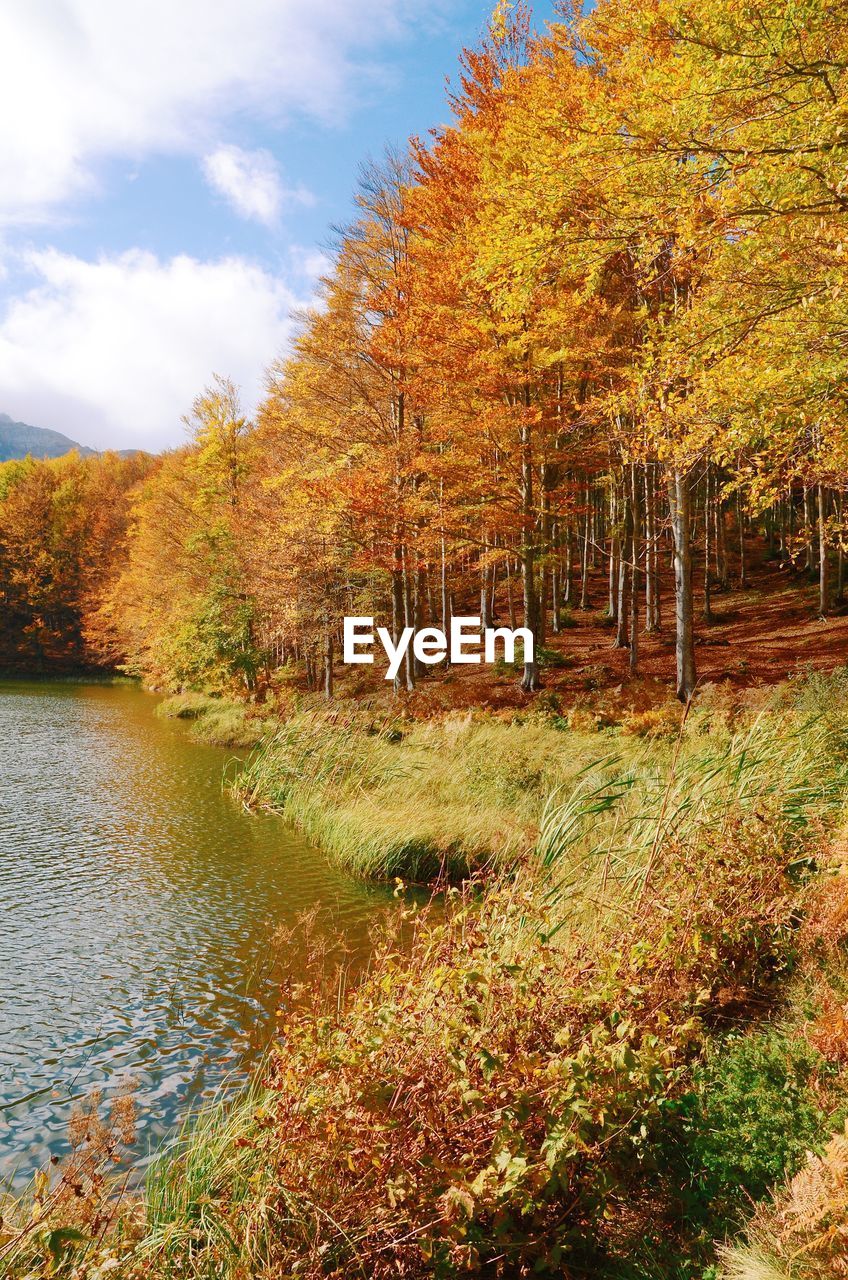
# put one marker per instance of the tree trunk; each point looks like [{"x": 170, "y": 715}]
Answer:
[
  {"x": 840, "y": 555},
  {"x": 635, "y": 555},
  {"x": 808, "y": 530},
  {"x": 721, "y": 542},
  {"x": 444, "y": 594},
  {"x": 568, "y": 574},
  {"x": 328, "y": 666},
  {"x": 740, "y": 520},
  {"x": 543, "y": 568},
  {"x": 584, "y": 556},
  {"x": 652, "y": 559},
  {"x": 679, "y": 506},
  {"x": 555, "y": 581},
  {"x": 510, "y": 599},
  {"x": 409, "y": 621},
  {"x": 397, "y": 605},
  {"x": 708, "y": 580},
  {"x": 824, "y": 583},
  {"x": 615, "y": 556},
  {"x": 621, "y": 606},
  {"x": 530, "y": 679},
  {"x": 485, "y": 619}
]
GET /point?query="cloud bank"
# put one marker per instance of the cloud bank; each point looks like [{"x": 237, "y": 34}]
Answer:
[
  {"x": 85, "y": 80},
  {"x": 132, "y": 338}
]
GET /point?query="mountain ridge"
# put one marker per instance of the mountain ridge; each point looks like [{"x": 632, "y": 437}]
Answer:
[{"x": 20, "y": 439}]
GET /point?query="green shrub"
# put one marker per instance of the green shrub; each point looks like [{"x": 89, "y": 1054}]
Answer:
[
  {"x": 547, "y": 659},
  {"x": 757, "y": 1113}
]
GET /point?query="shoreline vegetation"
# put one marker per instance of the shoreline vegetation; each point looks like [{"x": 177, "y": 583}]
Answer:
[{"x": 622, "y": 1030}]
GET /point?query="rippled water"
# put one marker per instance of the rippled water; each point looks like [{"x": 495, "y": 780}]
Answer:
[{"x": 137, "y": 908}]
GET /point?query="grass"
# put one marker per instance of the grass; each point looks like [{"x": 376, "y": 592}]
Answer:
[
  {"x": 449, "y": 796},
  {"x": 217, "y": 722},
  {"x": 470, "y": 791},
  {"x": 205, "y": 1178}
]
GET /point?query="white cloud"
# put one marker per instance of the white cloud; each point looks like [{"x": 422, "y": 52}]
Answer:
[
  {"x": 112, "y": 352},
  {"x": 250, "y": 181},
  {"x": 311, "y": 263},
  {"x": 83, "y": 80}
]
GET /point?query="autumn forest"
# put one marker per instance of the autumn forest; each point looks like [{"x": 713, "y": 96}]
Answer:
[{"x": 601, "y": 317}]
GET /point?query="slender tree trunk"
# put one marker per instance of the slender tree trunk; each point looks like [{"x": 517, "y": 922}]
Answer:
[
  {"x": 635, "y": 556},
  {"x": 530, "y": 680},
  {"x": 510, "y": 599},
  {"x": 543, "y": 568},
  {"x": 652, "y": 585},
  {"x": 621, "y": 606},
  {"x": 568, "y": 580},
  {"x": 679, "y": 506},
  {"x": 328, "y": 666},
  {"x": 771, "y": 523},
  {"x": 824, "y": 582},
  {"x": 555, "y": 580},
  {"x": 485, "y": 619},
  {"x": 397, "y": 605},
  {"x": 740, "y": 520},
  {"x": 708, "y": 580},
  {"x": 409, "y": 621},
  {"x": 721, "y": 543},
  {"x": 840, "y": 554},
  {"x": 584, "y": 556},
  {"x": 808, "y": 531},
  {"x": 444, "y": 594},
  {"x": 615, "y": 556}
]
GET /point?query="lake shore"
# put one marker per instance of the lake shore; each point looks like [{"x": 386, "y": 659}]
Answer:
[{"x": 637, "y": 999}]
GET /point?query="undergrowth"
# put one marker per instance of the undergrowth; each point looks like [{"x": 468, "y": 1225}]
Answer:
[{"x": 418, "y": 800}]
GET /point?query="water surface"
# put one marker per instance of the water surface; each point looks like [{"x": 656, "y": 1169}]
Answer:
[{"x": 138, "y": 905}]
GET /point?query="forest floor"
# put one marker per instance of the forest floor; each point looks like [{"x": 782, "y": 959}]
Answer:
[{"x": 760, "y": 634}]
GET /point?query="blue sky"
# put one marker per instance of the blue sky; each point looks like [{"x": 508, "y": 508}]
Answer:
[{"x": 171, "y": 170}]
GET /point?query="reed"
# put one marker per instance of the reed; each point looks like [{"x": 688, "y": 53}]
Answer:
[
  {"x": 218, "y": 722},
  {"x": 448, "y": 797}
]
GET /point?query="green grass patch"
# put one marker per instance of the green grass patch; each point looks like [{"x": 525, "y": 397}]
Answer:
[
  {"x": 446, "y": 796},
  {"x": 218, "y": 722}
]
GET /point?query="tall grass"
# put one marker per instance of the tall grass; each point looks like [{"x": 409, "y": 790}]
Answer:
[
  {"x": 207, "y": 1199},
  {"x": 444, "y": 797},
  {"x": 790, "y": 771},
  {"x": 466, "y": 792},
  {"x": 218, "y": 722}
]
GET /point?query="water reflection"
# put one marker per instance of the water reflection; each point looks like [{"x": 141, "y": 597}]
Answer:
[{"x": 137, "y": 905}]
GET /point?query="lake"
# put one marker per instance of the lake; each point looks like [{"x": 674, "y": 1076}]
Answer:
[{"x": 138, "y": 907}]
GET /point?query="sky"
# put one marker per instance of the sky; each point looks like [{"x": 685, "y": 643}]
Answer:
[{"x": 172, "y": 170}]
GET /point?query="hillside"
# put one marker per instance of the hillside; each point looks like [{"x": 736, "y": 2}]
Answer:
[{"x": 17, "y": 439}]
